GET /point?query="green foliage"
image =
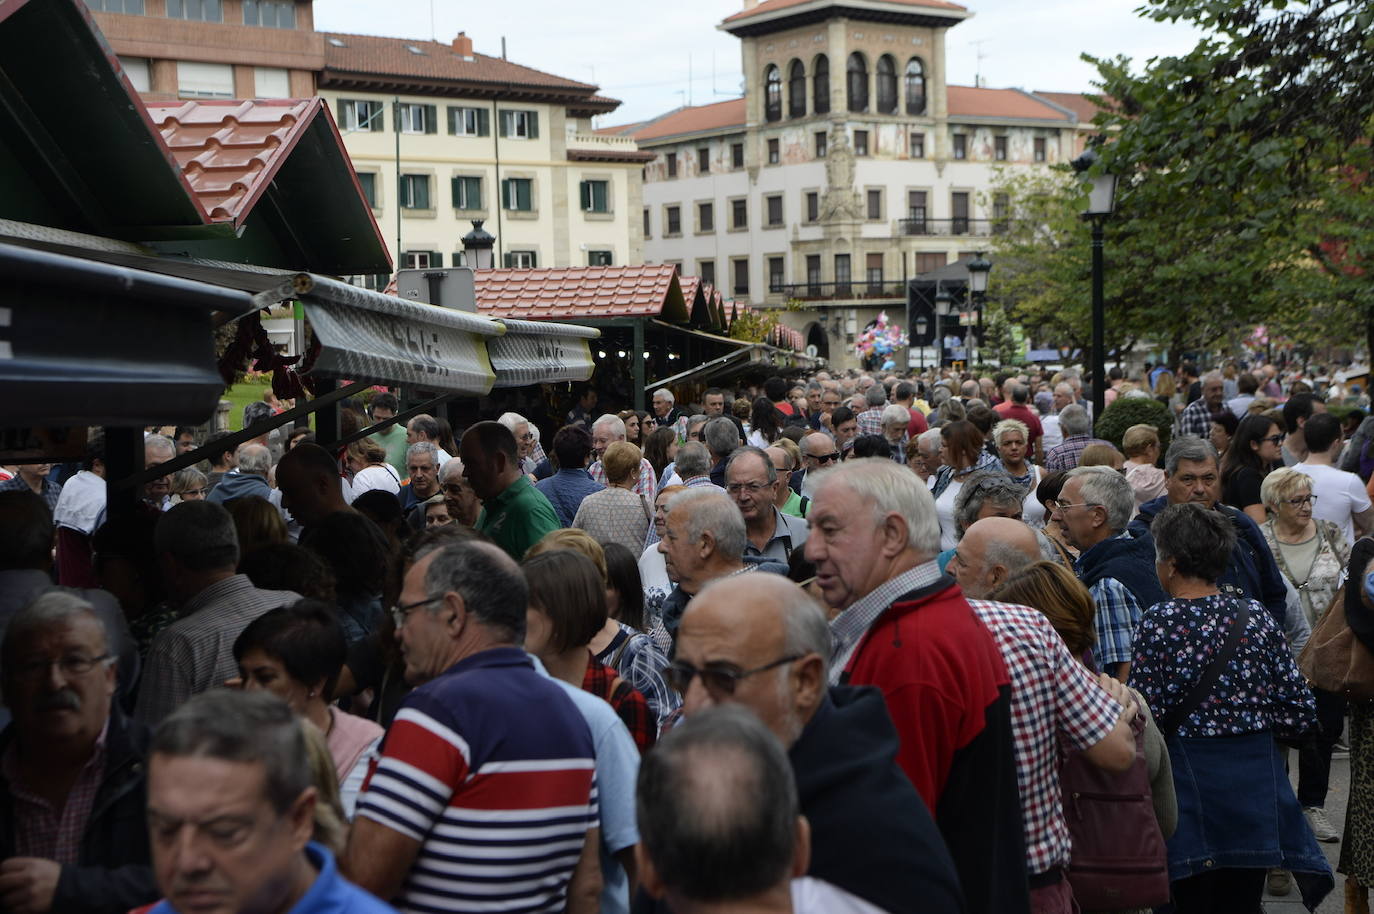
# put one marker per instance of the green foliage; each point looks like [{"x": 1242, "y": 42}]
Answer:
[
  {"x": 751, "y": 327},
  {"x": 998, "y": 342},
  {"x": 1127, "y": 411}
]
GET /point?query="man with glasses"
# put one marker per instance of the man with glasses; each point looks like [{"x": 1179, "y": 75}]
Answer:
[
  {"x": 74, "y": 836},
  {"x": 751, "y": 482},
  {"x": 760, "y": 642},
  {"x": 818, "y": 451}
]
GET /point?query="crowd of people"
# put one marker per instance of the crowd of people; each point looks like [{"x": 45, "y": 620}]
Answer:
[{"x": 849, "y": 643}]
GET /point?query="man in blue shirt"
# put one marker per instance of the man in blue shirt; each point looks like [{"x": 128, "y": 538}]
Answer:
[{"x": 572, "y": 445}]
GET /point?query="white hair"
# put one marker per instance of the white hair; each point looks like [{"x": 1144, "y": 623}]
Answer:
[
  {"x": 888, "y": 487},
  {"x": 253, "y": 459},
  {"x": 513, "y": 421},
  {"x": 892, "y": 414},
  {"x": 612, "y": 422},
  {"x": 712, "y": 511},
  {"x": 665, "y": 393},
  {"x": 1106, "y": 487}
]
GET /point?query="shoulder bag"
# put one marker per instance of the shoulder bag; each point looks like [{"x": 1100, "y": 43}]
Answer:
[{"x": 1334, "y": 660}]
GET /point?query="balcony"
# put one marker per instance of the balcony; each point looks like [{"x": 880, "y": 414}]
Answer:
[
  {"x": 863, "y": 290},
  {"x": 951, "y": 227},
  {"x": 597, "y": 147}
]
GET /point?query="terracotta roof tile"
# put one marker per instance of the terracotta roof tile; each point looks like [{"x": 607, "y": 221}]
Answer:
[
  {"x": 720, "y": 115},
  {"x": 769, "y": 6},
  {"x": 966, "y": 101},
  {"x": 230, "y": 150},
  {"x": 390, "y": 57},
  {"x": 1076, "y": 102},
  {"x": 576, "y": 293}
]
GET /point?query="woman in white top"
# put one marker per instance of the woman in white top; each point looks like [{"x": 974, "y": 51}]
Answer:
[
  {"x": 367, "y": 462},
  {"x": 1010, "y": 437},
  {"x": 961, "y": 453}
]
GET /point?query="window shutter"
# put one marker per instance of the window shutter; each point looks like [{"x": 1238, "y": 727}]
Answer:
[
  {"x": 475, "y": 193},
  {"x": 524, "y": 190},
  {"x": 506, "y": 260},
  {"x": 505, "y": 193},
  {"x": 431, "y": 119},
  {"x": 452, "y": 120},
  {"x": 436, "y": 260},
  {"x": 503, "y": 119},
  {"x": 534, "y": 259},
  {"x": 395, "y": 117},
  {"x": 456, "y": 189},
  {"x": 586, "y": 195},
  {"x": 534, "y": 124},
  {"x": 483, "y": 122}
]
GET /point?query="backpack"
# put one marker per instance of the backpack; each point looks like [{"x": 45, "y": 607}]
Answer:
[{"x": 1119, "y": 859}]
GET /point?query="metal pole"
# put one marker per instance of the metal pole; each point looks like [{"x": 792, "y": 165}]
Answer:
[
  {"x": 1099, "y": 366},
  {"x": 396, "y": 124}
]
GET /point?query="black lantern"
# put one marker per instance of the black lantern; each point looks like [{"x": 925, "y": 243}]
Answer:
[{"x": 477, "y": 246}]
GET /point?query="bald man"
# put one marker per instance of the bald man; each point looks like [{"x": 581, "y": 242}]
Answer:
[
  {"x": 759, "y": 641},
  {"x": 992, "y": 550}
]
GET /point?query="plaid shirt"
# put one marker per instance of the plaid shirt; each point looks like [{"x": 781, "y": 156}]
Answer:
[
  {"x": 849, "y": 627},
  {"x": 605, "y": 683},
  {"x": 51, "y": 490},
  {"x": 1196, "y": 419},
  {"x": 1118, "y": 613},
  {"x": 196, "y": 653},
  {"x": 49, "y": 833},
  {"x": 647, "y": 485},
  {"x": 1052, "y": 696},
  {"x": 1067, "y": 455},
  {"x": 871, "y": 421},
  {"x": 636, "y": 657}
]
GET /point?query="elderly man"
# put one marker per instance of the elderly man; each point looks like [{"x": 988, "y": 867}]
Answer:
[
  {"x": 250, "y": 478},
  {"x": 486, "y": 758},
  {"x": 426, "y": 428},
  {"x": 721, "y": 437},
  {"x": 870, "y": 833},
  {"x": 694, "y": 466},
  {"x": 73, "y": 836},
  {"x": 928, "y": 445},
  {"x": 565, "y": 489},
  {"x": 906, "y": 628},
  {"x": 1191, "y": 474},
  {"x": 515, "y": 515},
  {"x": 231, "y": 809},
  {"x": 818, "y": 451},
  {"x": 1077, "y": 429},
  {"x": 198, "y": 550},
  {"x": 784, "y": 499},
  {"x": 422, "y": 463},
  {"x": 607, "y": 430},
  {"x": 463, "y": 505},
  {"x": 308, "y": 478},
  {"x": 1196, "y": 418},
  {"x": 751, "y": 482},
  {"x": 871, "y": 418},
  {"x": 666, "y": 414},
  {"x": 896, "y": 421},
  {"x": 158, "y": 449}
]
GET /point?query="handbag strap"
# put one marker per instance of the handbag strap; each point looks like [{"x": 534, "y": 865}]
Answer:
[{"x": 1170, "y": 723}]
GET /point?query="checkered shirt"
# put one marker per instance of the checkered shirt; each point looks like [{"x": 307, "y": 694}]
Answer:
[
  {"x": 1067, "y": 455},
  {"x": 641, "y": 662},
  {"x": 630, "y": 705},
  {"x": 871, "y": 421},
  {"x": 1196, "y": 419},
  {"x": 1052, "y": 696},
  {"x": 51, "y": 490},
  {"x": 49, "y": 833},
  {"x": 849, "y": 627},
  {"x": 648, "y": 482},
  {"x": 1118, "y": 614}
]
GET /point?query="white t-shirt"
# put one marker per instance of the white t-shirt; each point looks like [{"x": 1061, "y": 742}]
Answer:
[
  {"x": 944, "y": 509},
  {"x": 1339, "y": 496},
  {"x": 816, "y": 896},
  {"x": 383, "y": 476}
]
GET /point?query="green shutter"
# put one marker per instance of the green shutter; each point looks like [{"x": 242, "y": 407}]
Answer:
[
  {"x": 586, "y": 188},
  {"x": 456, "y": 189},
  {"x": 534, "y": 259},
  {"x": 506, "y": 260},
  {"x": 522, "y": 192},
  {"x": 452, "y": 120},
  {"x": 503, "y": 122},
  {"x": 436, "y": 259},
  {"x": 431, "y": 119},
  {"x": 534, "y": 124},
  {"x": 483, "y": 122},
  {"x": 475, "y": 193},
  {"x": 505, "y": 192}
]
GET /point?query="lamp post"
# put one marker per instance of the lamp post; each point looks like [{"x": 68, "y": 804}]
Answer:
[
  {"x": 1101, "y": 203},
  {"x": 920, "y": 325},
  {"x": 477, "y": 246},
  {"x": 944, "y": 304},
  {"x": 978, "y": 269}
]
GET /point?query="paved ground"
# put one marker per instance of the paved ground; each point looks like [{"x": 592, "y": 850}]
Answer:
[{"x": 1335, "y": 811}]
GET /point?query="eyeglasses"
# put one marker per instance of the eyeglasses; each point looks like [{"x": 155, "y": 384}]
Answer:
[
  {"x": 528, "y": 436},
  {"x": 1275, "y": 439},
  {"x": 753, "y": 488},
  {"x": 399, "y": 613},
  {"x": 717, "y": 680},
  {"x": 1055, "y": 503},
  {"x": 825, "y": 458},
  {"x": 1300, "y": 500},
  {"x": 72, "y": 665}
]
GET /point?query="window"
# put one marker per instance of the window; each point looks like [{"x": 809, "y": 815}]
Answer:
[
  {"x": 704, "y": 161},
  {"x": 915, "y": 86},
  {"x": 1040, "y": 149},
  {"x": 959, "y": 209},
  {"x": 774, "y": 151},
  {"x": 521, "y": 125},
  {"x": 647, "y": 233},
  {"x": 132, "y": 7},
  {"x": 776, "y": 276},
  {"x": 813, "y": 206},
  {"x": 873, "y": 270},
  {"x": 740, "y": 269},
  {"x": 417, "y": 118},
  {"x": 772, "y": 98},
  {"x": 706, "y": 269},
  {"x": 739, "y": 213},
  {"x": 272, "y": 14},
  {"x": 204, "y": 80},
  {"x": 842, "y": 276},
  {"x": 271, "y": 82},
  {"x": 518, "y": 194},
  {"x": 367, "y": 180},
  {"x": 999, "y": 148},
  {"x": 421, "y": 260},
  {"x": 520, "y": 260},
  {"x": 469, "y": 121},
  {"x": 599, "y": 258},
  {"x": 821, "y": 141},
  {"x": 706, "y": 217},
  {"x": 199, "y": 10},
  {"x": 916, "y": 211},
  {"x": 773, "y": 206},
  {"x": 875, "y": 203},
  {"x": 820, "y": 86},
  {"x": 736, "y": 155},
  {"x": 927, "y": 262},
  {"x": 856, "y": 82},
  {"x": 960, "y": 141},
  {"x": 861, "y": 142},
  {"x": 813, "y": 274},
  {"x": 796, "y": 89},
  {"x": 361, "y": 114},
  {"x": 467, "y": 192},
  {"x": 414, "y": 192},
  {"x": 374, "y": 281},
  {"x": 671, "y": 160},
  {"x": 886, "y": 72},
  {"x": 136, "y": 68},
  {"x": 596, "y": 196},
  {"x": 918, "y": 145},
  {"x": 672, "y": 216}
]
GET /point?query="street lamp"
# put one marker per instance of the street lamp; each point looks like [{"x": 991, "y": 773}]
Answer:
[
  {"x": 944, "y": 306},
  {"x": 978, "y": 269},
  {"x": 477, "y": 246},
  {"x": 1101, "y": 203}
]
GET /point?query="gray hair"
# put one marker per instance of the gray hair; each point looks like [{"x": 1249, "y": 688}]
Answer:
[
  {"x": 423, "y": 447},
  {"x": 512, "y": 421},
  {"x": 981, "y": 488},
  {"x": 748, "y": 450},
  {"x": 892, "y": 414},
  {"x": 693, "y": 460},
  {"x": 253, "y": 459},
  {"x": 876, "y": 395},
  {"x": 929, "y": 440},
  {"x": 248, "y": 727},
  {"x": 1198, "y": 540},
  {"x": 614, "y": 423},
  {"x": 722, "y": 436},
  {"x": 805, "y": 629},
  {"x": 492, "y": 586},
  {"x": 200, "y": 535},
  {"x": 1108, "y": 488},
  {"x": 1188, "y": 447},
  {"x": 666, "y": 394},
  {"x": 890, "y": 487},
  {"x": 1211, "y": 376},
  {"x": 1008, "y": 556},
  {"x": 696, "y": 421},
  {"x": 1073, "y": 420},
  {"x": 451, "y": 468},
  {"x": 53, "y": 607},
  {"x": 710, "y": 511},
  {"x": 163, "y": 443}
]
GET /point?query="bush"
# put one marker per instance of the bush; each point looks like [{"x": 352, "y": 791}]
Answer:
[{"x": 1127, "y": 411}]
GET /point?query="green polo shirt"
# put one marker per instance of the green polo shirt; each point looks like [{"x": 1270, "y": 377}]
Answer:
[
  {"x": 393, "y": 438},
  {"x": 794, "y": 506},
  {"x": 518, "y": 518}
]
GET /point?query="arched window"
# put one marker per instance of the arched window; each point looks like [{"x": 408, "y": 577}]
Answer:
[
  {"x": 820, "y": 85},
  {"x": 856, "y": 82},
  {"x": 886, "y": 72},
  {"x": 796, "y": 89},
  {"x": 772, "y": 82},
  {"x": 915, "y": 86}
]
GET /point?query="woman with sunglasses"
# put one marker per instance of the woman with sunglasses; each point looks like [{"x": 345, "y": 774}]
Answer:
[{"x": 1254, "y": 451}]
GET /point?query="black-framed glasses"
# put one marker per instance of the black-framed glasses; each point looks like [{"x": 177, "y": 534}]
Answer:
[
  {"x": 400, "y": 612},
  {"x": 825, "y": 458},
  {"x": 71, "y": 665},
  {"x": 718, "y": 680},
  {"x": 1275, "y": 439}
]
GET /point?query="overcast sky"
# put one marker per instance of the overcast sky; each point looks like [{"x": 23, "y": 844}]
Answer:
[{"x": 642, "y": 51}]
